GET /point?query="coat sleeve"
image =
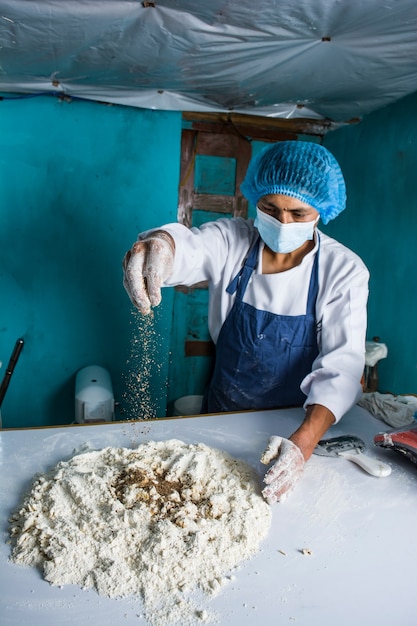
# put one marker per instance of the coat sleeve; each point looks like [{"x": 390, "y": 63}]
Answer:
[
  {"x": 335, "y": 380},
  {"x": 206, "y": 253}
]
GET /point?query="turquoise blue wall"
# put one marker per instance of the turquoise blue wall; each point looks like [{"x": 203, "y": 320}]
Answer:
[
  {"x": 379, "y": 160},
  {"x": 78, "y": 181}
]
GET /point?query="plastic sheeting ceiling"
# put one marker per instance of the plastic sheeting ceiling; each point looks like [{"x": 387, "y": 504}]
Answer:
[{"x": 335, "y": 59}]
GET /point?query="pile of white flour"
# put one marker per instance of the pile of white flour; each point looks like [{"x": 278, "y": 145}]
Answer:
[{"x": 159, "y": 521}]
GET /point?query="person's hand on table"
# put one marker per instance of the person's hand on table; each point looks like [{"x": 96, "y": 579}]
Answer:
[
  {"x": 287, "y": 469},
  {"x": 290, "y": 455},
  {"x": 146, "y": 266}
]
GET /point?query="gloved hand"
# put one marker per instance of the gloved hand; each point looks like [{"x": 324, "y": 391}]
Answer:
[
  {"x": 285, "y": 472},
  {"x": 146, "y": 266}
]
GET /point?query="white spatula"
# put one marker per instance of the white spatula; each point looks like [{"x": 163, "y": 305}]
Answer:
[{"x": 351, "y": 448}]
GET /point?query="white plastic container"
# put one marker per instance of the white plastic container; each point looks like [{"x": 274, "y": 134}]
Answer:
[
  {"x": 188, "y": 405},
  {"x": 94, "y": 400}
]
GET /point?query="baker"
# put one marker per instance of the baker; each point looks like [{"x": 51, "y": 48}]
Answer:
[{"x": 287, "y": 304}]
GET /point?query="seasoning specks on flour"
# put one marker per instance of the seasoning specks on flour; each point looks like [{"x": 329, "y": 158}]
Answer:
[{"x": 159, "y": 522}]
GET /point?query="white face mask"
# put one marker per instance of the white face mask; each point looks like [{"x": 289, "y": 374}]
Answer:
[{"x": 283, "y": 237}]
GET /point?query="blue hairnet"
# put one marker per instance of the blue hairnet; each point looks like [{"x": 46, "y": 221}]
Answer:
[{"x": 300, "y": 169}]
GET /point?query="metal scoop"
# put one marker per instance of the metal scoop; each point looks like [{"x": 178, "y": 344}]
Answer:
[{"x": 351, "y": 447}]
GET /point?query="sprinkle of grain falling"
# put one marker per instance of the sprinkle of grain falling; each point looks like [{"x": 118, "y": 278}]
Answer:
[{"x": 140, "y": 400}]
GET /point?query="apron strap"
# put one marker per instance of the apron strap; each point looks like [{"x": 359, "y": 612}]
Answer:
[
  {"x": 313, "y": 289},
  {"x": 240, "y": 281}
]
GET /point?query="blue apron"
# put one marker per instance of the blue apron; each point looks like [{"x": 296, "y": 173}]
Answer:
[{"x": 261, "y": 357}]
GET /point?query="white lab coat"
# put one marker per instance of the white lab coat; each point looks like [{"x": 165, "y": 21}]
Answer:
[{"x": 215, "y": 252}]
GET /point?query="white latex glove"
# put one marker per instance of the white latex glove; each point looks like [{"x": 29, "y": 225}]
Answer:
[
  {"x": 146, "y": 266},
  {"x": 281, "y": 478}
]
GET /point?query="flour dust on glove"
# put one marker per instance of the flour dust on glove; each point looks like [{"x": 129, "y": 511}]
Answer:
[
  {"x": 285, "y": 472},
  {"x": 146, "y": 267}
]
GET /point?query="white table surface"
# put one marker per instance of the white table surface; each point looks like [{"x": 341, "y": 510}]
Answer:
[{"x": 361, "y": 530}]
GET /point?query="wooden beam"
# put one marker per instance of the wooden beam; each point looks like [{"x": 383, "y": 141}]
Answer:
[
  {"x": 260, "y": 127},
  {"x": 199, "y": 348}
]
